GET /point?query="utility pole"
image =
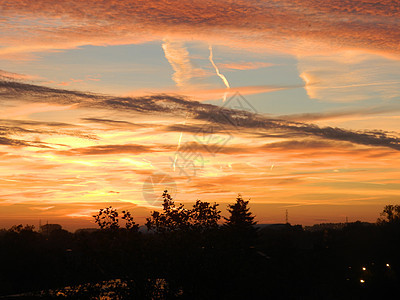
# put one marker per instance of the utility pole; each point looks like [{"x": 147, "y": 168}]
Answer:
[{"x": 287, "y": 217}]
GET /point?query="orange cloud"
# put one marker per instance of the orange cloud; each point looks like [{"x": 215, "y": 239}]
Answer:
[
  {"x": 352, "y": 76},
  {"x": 215, "y": 93},
  {"x": 292, "y": 26},
  {"x": 4, "y": 75},
  {"x": 275, "y": 161},
  {"x": 246, "y": 65}
]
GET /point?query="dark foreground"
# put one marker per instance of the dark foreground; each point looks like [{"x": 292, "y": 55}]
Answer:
[{"x": 215, "y": 263}]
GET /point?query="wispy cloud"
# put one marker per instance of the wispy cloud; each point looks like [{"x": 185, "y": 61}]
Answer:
[
  {"x": 350, "y": 76},
  {"x": 350, "y": 113},
  {"x": 197, "y": 111},
  {"x": 107, "y": 150},
  {"x": 4, "y": 75},
  {"x": 178, "y": 56},
  {"x": 245, "y": 65}
]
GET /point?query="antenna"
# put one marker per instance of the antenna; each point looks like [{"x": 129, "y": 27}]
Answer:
[{"x": 287, "y": 217}]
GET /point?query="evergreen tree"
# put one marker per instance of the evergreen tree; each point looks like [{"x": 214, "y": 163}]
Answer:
[{"x": 240, "y": 215}]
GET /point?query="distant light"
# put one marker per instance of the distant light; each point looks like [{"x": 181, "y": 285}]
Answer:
[
  {"x": 362, "y": 280},
  {"x": 387, "y": 265},
  {"x": 364, "y": 268}
]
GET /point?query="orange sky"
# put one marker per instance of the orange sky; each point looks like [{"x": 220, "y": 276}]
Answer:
[{"x": 318, "y": 83}]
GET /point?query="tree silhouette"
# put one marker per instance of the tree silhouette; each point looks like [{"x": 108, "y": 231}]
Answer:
[
  {"x": 203, "y": 215},
  {"x": 172, "y": 218},
  {"x": 240, "y": 215},
  {"x": 107, "y": 218},
  {"x": 130, "y": 224},
  {"x": 390, "y": 214},
  {"x": 20, "y": 228}
]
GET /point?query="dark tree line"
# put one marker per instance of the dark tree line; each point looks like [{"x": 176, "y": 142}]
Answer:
[
  {"x": 202, "y": 216},
  {"x": 188, "y": 254}
]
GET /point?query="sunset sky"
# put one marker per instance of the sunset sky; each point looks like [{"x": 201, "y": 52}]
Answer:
[{"x": 293, "y": 104}]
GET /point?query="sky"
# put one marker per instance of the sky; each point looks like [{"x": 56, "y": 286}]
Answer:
[{"x": 293, "y": 104}]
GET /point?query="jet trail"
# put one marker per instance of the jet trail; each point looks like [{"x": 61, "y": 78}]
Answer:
[{"x": 224, "y": 80}]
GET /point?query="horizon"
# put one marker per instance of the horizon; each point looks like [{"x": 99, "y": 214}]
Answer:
[
  {"x": 90, "y": 223},
  {"x": 260, "y": 225},
  {"x": 293, "y": 105}
]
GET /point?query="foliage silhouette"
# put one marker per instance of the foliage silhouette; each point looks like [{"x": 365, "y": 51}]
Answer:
[
  {"x": 172, "y": 218},
  {"x": 130, "y": 224},
  {"x": 108, "y": 218},
  {"x": 202, "y": 216},
  {"x": 390, "y": 214},
  {"x": 20, "y": 228}
]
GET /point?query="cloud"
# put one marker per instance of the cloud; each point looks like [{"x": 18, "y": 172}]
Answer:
[
  {"x": 137, "y": 136},
  {"x": 12, "y": 142},
  {"x": 107, "y": 149},
  {"x": 116, "y": 123},
  {"x": 39, "y": 124},
  {"x": 294, "y": 26},
  {"x": 350, "y": 76},
  {"x": 370, "y": 138},
  {"x": 206, "y": 93},
  {"x": 4, "y": 75},
  {"x": 229, "y": 119},
  {"x": 245, "y": 65},
  {"x": 178, "y": 57},
  {"x": 27, "y": 133},
  {"x": 350, "y": 113}
]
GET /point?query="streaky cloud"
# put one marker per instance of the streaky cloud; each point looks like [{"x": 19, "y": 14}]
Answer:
[{"x": 174, "y": 105}]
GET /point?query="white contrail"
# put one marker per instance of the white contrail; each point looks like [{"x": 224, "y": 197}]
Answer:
[
  {"x": 224, "y": 80},
  {"x": 178, "y": 57},
  {"x": 216, "y": 68}
]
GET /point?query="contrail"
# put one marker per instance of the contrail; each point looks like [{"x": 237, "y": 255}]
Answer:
[
  {"x": 225, "y": 81},
  {"x": 178, "y": 57}
]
